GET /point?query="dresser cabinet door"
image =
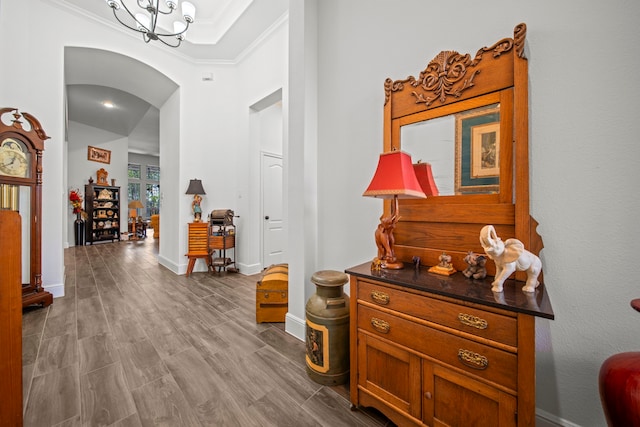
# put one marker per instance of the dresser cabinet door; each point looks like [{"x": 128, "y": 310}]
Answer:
[
  {"x": 452, "y": 399},
  {"x": 390, "y": 373}
]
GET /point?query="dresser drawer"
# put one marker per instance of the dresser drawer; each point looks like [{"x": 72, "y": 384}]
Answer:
[
  {"x": 492, "y": 326},
  {"x": 475, "y": 358}
]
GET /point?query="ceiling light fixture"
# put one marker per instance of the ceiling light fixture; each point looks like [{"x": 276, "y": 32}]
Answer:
[
  {"x": 107, "y": 104},
  {"x": 145, "y": 21}
]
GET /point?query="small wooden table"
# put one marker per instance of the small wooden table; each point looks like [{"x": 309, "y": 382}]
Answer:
[{"x": 198, "y": 244}]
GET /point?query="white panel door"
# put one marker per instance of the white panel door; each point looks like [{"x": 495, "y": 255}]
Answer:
[{"x": 273, "y": 229}]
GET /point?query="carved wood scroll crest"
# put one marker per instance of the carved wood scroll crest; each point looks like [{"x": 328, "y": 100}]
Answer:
[{"x": 449, "y": 74}]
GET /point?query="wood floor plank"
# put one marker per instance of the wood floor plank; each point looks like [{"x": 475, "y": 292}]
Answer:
[
  {"x": 279, "y": 410},
  {"x": 161, "y": 403},
  {"x": 49, "y": 407},
  {"x": 91, "y": 319},
  {"x": 160, "y": 349},
  {"x": 104, "y": 396},
  {"x": 163, "y": 334},
  {"x": 96, "y": 352},
  {"x": 33, "y": 320},
  {"x": 194, "y": 376},
  {"x": 56, "y": 353},
  {"x": 142, "y": 363}
]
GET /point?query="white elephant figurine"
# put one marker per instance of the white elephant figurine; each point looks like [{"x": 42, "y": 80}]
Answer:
[{"x": 510, "y": 256}]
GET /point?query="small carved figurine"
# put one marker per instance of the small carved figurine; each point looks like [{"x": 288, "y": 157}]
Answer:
[
  {"x": 510, "y": 256},
  {"x": 475, "y": 266},
  {"x": 444, "y": 267}
]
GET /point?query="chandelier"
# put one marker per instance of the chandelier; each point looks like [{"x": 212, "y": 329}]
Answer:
[{"x": 145, "y": 19}]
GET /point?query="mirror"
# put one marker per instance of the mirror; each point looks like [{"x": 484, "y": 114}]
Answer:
[{"x": 463, "y": 150}]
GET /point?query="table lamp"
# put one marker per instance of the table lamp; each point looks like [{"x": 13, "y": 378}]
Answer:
[
  {"x": 134, "y": 205},
  {"x": 195, "y": 188},
  {"x": 394, "y": 178}
]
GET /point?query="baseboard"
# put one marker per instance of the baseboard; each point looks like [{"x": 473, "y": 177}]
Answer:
[
  {"x": 249, "y": 269},
  {"x": 295, "y": 326},
  {"x": 55, "y": 289},
  {"x": 165, "y": 262},
  {"x": 545, "y": 419}
]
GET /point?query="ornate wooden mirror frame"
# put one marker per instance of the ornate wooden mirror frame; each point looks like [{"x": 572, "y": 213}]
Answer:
[
  {"x": 22, "y": 146},
  {"x": 453, "y": 84}
]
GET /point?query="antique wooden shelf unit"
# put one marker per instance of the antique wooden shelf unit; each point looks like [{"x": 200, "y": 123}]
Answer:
[
  {"x": 102, "y": 204},
  {"x": 430, "y": 350}
]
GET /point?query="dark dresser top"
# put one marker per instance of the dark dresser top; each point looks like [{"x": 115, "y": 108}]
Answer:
[{"x": 459, "y": 287}]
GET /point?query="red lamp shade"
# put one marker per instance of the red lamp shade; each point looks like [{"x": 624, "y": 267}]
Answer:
[
  {"x": 394, "y": 176},
  {"x": 425, "y": 178}
]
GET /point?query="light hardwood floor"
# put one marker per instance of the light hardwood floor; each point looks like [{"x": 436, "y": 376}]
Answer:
[{"x": 132, "y": 344}]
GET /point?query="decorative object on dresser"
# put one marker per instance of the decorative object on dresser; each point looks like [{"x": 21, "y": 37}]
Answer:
[
  {"x": 394, "y": 178},
  {"x": 475, "y": 266},
  {"x": 510, "y": 256},
  {"x": 102, "y": 205},
  {"x": 21, "y": 190},
  {"x": 444, "y": 266},
  {"x": 195, "y": 188},
  {"x": 10, "y": 318},
  {"x": 445, "y": 350},
  {"x": 272, "y": 294}
]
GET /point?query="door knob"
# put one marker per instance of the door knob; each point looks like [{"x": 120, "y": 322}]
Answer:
[{"x": 266, "y": 217}]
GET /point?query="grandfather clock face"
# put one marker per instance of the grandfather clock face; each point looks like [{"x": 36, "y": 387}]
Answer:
[{"x": 15, "y": 158}]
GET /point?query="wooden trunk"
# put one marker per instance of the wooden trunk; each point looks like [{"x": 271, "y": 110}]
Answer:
[{"x": 272, "y": 294}]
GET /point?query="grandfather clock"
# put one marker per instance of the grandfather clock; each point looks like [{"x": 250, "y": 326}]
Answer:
[{"x": 21, "y": 190}]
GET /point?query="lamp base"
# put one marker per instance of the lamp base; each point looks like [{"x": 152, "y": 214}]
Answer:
[
  {"x": 377, "y": 264},
  {"x": 396, "y": 265}
]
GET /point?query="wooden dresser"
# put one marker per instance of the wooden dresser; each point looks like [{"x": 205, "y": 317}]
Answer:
[
  {"x": 434, "y": 350},
  {"x": 443, "y": 351}
]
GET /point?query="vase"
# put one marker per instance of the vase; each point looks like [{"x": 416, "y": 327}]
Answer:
[
  {"x": 79, "y": 229},
  {"x": 619, "y": 383},
  {"x": 327, "y": 329}
]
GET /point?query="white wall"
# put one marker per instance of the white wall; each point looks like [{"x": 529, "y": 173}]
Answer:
[
  {"x": 585, "y": 157},
  {"x": 263, "y": 76}
]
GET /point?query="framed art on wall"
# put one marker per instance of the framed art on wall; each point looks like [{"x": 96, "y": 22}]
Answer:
[{"x": 98, "y": 155}]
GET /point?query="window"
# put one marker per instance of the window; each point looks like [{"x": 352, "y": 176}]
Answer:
[
  {"x": 153, "y": 199},
  {"x": 153, "y": 173},
  {"x": 133, "y": 191},
  {"x": 134, "y": 171}
]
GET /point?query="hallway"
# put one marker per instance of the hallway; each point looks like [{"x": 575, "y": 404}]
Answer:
[{"x": 133, "y": 344}]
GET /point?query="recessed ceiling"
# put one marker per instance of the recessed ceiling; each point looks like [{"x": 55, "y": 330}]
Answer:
[{"x": 223, "y": 31}]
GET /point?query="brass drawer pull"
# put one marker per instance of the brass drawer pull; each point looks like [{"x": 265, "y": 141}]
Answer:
[
  {"x": 473, "y": 360},
  {"x": 380, "y": 325},
  {"x": 380, "y": 297},
  {"x": 473, "y": 321}
]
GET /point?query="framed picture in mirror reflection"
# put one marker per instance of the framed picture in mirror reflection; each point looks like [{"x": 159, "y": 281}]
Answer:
[{"x": 478, "y": 151}]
